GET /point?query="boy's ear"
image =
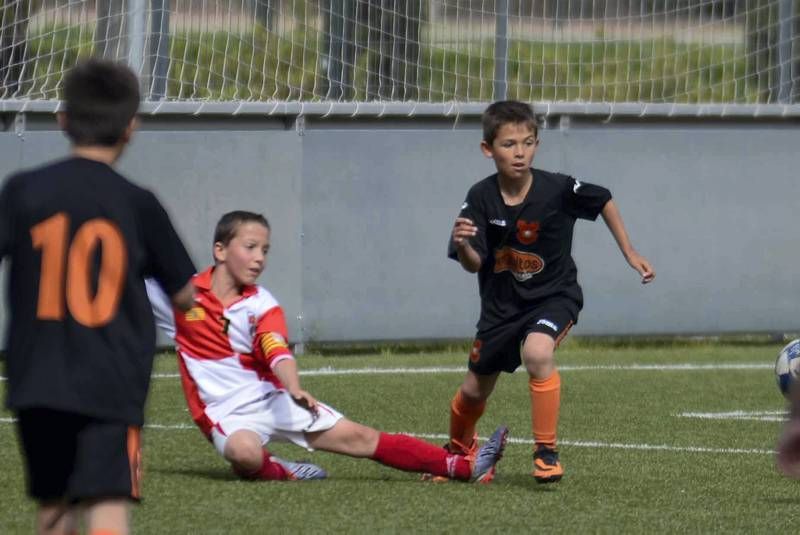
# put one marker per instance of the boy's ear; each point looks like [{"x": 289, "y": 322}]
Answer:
[
  {"x": 132, "y": 126},
  {"x": 486, "y": 149},
  {"x": 219, "y": 252}
]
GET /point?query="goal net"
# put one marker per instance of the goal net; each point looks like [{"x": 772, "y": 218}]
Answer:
[{"x": 357, "y": 52}]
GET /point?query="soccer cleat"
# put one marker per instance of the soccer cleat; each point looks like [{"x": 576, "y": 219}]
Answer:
[
  {"x": 485, "y": 461},
  {"x": 300, "y": 470},
  {"x": 546, "y": 468}
]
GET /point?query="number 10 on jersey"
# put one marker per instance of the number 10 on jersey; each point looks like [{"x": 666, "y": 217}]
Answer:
[{"x": 65, "y": 281}]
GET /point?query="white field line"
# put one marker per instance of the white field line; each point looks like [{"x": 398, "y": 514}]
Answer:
[
  {"x": 528, "y": 441},
  {"x": 760, "y": 416},
  {"x": 622, "y": 446},
  {"x": 567, "y": 368}
]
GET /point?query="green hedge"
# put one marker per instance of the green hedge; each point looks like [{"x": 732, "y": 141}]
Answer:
[{"x": 224, "y": 66}]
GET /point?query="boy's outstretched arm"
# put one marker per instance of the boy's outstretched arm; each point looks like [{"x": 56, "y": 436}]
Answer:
[
  {"x": 286, "y": 371},
  {"x": 469, "y": 258},
  {"x": 788, "y": 458},
  {"x": 184, "y": 299},
  {"x": 613, "y": 220}
]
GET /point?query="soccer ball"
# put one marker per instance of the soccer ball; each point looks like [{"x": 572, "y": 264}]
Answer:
[{"x": 787, "y": 366}]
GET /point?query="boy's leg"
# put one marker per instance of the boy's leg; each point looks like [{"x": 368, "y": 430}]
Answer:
[
  {"x": 108, "y": 517},
  {"x": 399, "y": 451},
  {"x": 466, "y": 408},
  {"x": 544, "y": 386},
  {"x": 250, "y": 460},
  {"x": 56, "y": 518}
]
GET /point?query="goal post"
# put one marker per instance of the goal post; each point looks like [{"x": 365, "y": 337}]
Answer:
[{"x": 350, "y": 56}]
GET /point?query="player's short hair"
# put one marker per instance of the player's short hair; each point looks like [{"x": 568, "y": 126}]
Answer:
[
  {"x": 100, "y": 99},
  {"x": 229, "y": 223},
  {"x": 507, "y": 112}
]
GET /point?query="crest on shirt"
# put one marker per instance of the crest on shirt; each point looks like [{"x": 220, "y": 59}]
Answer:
[
  {"x": 521, "y": 264},
  {"x": 195, "y": 314},
  {"x": 251, "y": 324},
  {"x": 527, "y": 231}
]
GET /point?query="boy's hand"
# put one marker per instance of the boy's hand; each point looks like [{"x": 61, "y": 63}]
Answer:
[
  {"x": 305, "y": 400},
  {"x": 463, "y": 230},
  {"x": 642, "y": 265}
]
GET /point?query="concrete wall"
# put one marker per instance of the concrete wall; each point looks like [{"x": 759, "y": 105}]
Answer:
[{"x": 361, "y": 212}]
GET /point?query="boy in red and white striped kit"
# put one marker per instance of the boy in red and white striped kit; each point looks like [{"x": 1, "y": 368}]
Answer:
[{"x": 241, "y": 382}]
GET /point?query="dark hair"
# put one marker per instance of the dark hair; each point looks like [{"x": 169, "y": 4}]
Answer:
[
  {"x": 507, "y": 112},
  {"x": 229, "y": 223},
  {"x": 100, "y": 97}
]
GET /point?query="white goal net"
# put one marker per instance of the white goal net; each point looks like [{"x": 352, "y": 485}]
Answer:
[{"x": 413, "y": 52}]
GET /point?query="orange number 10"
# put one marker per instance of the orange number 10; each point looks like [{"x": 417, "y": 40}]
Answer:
[{"x": 51, "y": 236}]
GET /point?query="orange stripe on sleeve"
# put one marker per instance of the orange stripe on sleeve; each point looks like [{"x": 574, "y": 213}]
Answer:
[{"x": 135, "y": 460}]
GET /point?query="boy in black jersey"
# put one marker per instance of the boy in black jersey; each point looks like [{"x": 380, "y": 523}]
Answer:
[
  {"x": 81, "y": 336},
  {"x": 515, "y": 231}
]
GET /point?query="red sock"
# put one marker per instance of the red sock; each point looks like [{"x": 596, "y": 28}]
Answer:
[
  {"x": 269, "y": 471},
  {"x": 414, "y": 455}
]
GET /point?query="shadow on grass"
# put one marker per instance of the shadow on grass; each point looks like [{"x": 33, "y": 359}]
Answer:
[
  {"x": 526, "y": 482},
  {"x": 204, "y": 473}
]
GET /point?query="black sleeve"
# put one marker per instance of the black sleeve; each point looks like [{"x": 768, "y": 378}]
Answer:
[
  {"x": 168, "y": 261},
  {"x": 6, "y": 219},
  {"x": 583, "y": 200},
  {"x": 472, "y": 209}
]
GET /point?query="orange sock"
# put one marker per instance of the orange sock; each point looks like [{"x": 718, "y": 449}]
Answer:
[
  {"x": 545, "y": 405},
  {"x": 464, "y": 414}
]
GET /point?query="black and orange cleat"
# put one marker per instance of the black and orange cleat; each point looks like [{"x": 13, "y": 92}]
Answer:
[{"x": 546, "y": 468}]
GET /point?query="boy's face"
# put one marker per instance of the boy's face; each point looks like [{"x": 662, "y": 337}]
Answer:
[
  {"x": 512, "y": 150},
  {"x": 245, "y": 256}
]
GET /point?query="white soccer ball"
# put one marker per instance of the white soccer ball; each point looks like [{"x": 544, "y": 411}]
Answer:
[{"x": 787, "y": 366}]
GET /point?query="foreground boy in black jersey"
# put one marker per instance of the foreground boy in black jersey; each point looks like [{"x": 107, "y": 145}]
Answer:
[
  {"x": 515, "y": 232},
  {"x": 81, "y": 336}
]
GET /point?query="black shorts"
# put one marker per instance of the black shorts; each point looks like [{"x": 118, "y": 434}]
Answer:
[
  {"x": 498, "y": 349},
  {"x": 72, "y": 457}
]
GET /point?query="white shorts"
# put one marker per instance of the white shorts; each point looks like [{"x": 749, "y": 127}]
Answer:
[{"x": 275, "y": 417}]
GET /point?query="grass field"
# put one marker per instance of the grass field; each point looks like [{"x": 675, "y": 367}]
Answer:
[{"x": 667, "y": 438}]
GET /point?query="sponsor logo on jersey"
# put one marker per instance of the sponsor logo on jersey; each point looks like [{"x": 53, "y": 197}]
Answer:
[
  {"x": 498, "y": 222},
  {"x": 195, "y": 314},
  {"x": 464, "y": 206},
  {"x": 576, "y": 186},
  {"x": 548, "y": 323},
  {"x": 527, "y": 231},
  {"x": 522, "y": 265}
]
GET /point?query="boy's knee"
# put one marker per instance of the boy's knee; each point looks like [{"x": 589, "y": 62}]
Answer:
[
  {"x": 366, "y": 438},
  {"x": 538, "y": 355},
  {"x": 243, "y": 452},
  {"x": 473, "y": 395}
]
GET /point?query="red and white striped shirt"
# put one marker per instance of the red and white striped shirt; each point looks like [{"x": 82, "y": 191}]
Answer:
[{"x": 225, "y": 354}]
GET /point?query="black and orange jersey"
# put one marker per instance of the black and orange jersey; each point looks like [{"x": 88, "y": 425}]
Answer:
[
  {"x": 81, "y": 240},
  {"x": 526, "y": 250}
]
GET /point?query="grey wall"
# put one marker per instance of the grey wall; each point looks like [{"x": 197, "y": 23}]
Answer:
[{"x": 361, "y": 212}]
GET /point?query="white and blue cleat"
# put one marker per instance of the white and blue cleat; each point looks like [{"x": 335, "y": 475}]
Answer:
[
  {"x": 484, "y": 465},
  {"x": 299, "y": 471}
]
